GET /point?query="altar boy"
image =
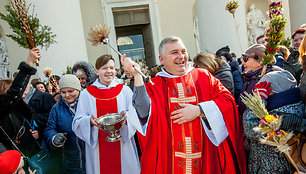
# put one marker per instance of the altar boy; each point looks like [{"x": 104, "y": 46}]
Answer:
[{"x": 106, "y": 95}]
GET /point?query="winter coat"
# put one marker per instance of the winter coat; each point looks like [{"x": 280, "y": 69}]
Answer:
[
  {"x": 14, "y": 113},
  {"x": 293, "y": 65},
  {"x": 225, "y": 76},
  {"x": 264, "y": 158},
  {"x": 237, "y": 77},
  {"x": 41, "y": 103},
  {"x": 250, "y": 80},
  {"x": 302, "y": 85},
  {"x": 60, "y": 121},
  {"x": 88, "y": 69}
]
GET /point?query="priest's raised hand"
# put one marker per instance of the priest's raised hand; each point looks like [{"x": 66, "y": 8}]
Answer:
[{"x": 129, "y": 65}]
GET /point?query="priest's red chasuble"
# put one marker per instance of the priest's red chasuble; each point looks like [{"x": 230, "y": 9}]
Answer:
[
  {"x": 186, "y": 138},
  {"x": 109, "y": 152},
  {"x": 185, "y": 148}
]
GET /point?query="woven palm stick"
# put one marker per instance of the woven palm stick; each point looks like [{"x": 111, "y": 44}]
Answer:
[{"x": 263, "y": 71}]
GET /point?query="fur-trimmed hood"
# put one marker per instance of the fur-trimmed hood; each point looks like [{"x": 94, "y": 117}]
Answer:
[{"x": 87, "y": 68}]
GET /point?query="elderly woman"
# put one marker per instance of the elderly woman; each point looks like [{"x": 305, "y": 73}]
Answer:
[
  {"x": 85, "y": 73},
  {"x": 252, "y": 70},
  {"x": 58, "y": 132}
]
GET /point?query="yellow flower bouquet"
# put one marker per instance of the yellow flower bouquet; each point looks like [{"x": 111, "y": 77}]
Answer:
[
  {"x": 232, "y": 6},
  {"x": 269, "y": 125}
]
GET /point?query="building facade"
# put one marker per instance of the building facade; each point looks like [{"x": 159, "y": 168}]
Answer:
[{"x": 137, "y": 27}]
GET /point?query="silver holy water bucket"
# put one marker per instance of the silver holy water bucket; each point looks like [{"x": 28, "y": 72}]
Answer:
[{"x": 111, "y": 123}]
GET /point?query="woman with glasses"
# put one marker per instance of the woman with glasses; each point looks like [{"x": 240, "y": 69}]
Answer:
[{"x": 251, "y": 61}]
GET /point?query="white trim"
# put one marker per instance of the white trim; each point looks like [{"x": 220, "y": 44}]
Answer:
[{"x": 218, "y": 131}]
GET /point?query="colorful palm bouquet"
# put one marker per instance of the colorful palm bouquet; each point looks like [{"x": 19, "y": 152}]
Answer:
[
  {"x": 48, "y": 71},
  {"x": 232, "y": 6},
  {"x": 275, "y": 34},
  {"x": 269, "y": 125}
]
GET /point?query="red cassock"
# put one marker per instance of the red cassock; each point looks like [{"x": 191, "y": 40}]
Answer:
[{"x": 172, "y": 148}]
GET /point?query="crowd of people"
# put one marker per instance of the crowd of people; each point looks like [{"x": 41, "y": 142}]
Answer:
[{"x": 190, "y": 119}]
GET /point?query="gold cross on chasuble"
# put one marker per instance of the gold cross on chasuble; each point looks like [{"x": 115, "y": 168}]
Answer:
[
  {"x": 182, "y": 96},
  {"x": 187, "y": 138},
  {"x": 188, "y": 156}
]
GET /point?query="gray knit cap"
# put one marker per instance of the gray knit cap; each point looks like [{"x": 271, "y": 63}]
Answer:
[
  {"x": 280, "y": 80},
  {"x": 70, "y": 81}
]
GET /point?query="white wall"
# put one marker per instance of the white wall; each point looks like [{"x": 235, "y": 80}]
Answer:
[
  {"x": 92, "y": 14},
  {"x": 217, "y": 27},
  {"x": 297, "y": 13},
  {"x": 176, "y": 19},
  {"x": 64, "y": 17}
]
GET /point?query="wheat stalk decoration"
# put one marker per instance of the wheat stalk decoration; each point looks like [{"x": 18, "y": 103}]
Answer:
[
  {"x": 269, "y": 126},
  {"x": 48, "y": 71}
]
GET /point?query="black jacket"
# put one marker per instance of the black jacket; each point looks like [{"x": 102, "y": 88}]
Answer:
[
  {"x": 41, "y": 103},
  {"x": 14, "y": 111},
  {"x": 225, "y": 76}
]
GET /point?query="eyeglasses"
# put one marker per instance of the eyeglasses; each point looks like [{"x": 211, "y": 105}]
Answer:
[{"x": 245, "y": 57}]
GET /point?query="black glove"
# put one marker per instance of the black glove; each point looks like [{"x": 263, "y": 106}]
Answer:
[
  {"x": 293, "y": 123},
  {"x": 59, "y": 139}
]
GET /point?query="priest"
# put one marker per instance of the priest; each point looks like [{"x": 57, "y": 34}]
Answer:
[{"x": 190, "y": 120}]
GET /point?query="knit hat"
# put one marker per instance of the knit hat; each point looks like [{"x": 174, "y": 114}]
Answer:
[
  {"x": 280, "y": 80},
  {"x": 255, "y": 50},
  {"x": 70, "y": 81},
  {"x": 9, "y": 161}
]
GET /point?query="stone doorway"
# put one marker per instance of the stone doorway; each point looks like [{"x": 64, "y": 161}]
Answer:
[{"x": 134, "y": 33}]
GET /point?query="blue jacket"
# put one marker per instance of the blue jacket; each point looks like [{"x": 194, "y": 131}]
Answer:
[
  {"x": 237, "y": 77},
  {"x": 60, "y": 121},
  {"x": 279, "y": 60}
]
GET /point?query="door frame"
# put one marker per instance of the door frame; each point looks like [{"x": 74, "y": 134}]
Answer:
[{"x": 107, "y": 6}]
